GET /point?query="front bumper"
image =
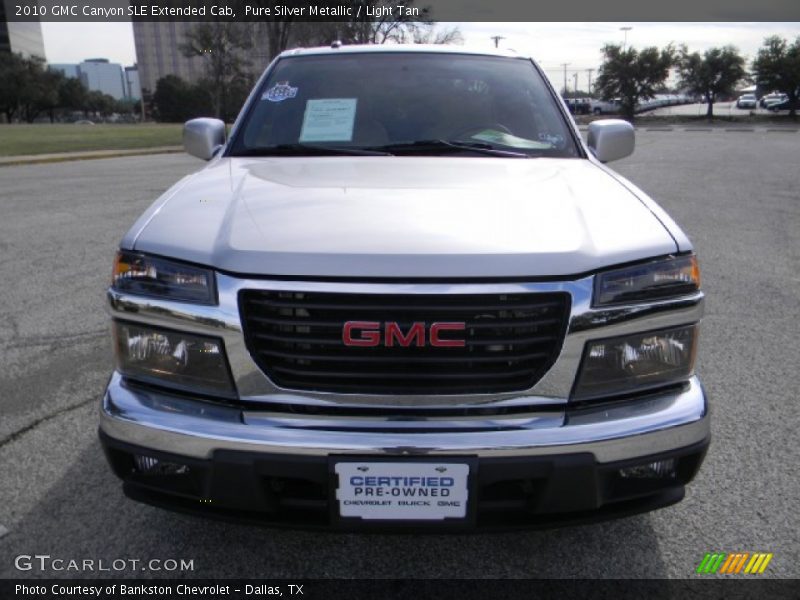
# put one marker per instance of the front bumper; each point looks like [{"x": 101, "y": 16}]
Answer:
[{"x": 544, "y": 468}]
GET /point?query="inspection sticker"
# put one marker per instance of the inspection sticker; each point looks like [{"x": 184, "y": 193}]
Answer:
[
  {"x": 402, "y": 491},
  {"x": 280, "y": 92},
  {"x": 329, "y": 120}
]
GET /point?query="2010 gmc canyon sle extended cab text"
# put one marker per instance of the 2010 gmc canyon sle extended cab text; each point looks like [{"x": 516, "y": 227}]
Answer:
[{"x": 404, "y": 293}]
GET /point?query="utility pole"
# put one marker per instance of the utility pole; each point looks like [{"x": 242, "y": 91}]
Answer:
[
  {"x": 497, "y": 39},
  {"x": 565, "y": 65},
  {"x": 590, "y": 71},
  {"x": 626, "y": 30},
  {"x": 575, "y": 77}
]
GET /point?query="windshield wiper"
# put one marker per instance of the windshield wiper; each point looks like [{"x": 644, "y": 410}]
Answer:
[
  {"x": 427, "y": 146},
  {"x": 310, "y": 150}
]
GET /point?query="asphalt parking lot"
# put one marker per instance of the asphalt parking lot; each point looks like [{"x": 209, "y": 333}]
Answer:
[{"x": 737, "y": 195}]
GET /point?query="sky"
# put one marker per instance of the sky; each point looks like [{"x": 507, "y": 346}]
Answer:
[{"x": 551, "y": 44}]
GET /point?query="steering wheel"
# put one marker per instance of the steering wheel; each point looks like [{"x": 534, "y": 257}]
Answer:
[{"x": 471, "y": 130}]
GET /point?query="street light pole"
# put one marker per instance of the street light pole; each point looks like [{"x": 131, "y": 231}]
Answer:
[
  {"x": 565, "y": 65},
  {"x": 626, "y": 30},
  {"x": 590, "y": 71}
]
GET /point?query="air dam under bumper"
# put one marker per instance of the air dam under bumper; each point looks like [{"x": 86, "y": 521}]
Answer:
[{"x": 529, "y": 470}]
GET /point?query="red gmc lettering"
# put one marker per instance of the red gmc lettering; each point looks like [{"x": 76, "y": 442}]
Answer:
[
  {"x": 449, "y": 343},
  {"x": 370, "y": 337},
  {"x": 368, "y": 334},
  {"x": 393, "y": 332}
]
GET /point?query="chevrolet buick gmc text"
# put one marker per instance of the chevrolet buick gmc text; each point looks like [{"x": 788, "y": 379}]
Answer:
[{"x": 404, "y": 293}]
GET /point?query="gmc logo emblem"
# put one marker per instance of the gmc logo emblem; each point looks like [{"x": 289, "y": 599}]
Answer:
[{"x": 368, "y": 334}]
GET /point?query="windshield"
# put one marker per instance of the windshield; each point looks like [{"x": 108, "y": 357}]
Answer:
[{"x": 404, "y": 104}]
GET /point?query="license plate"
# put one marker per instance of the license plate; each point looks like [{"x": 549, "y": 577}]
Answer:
[{"x": 397, "y": 491}]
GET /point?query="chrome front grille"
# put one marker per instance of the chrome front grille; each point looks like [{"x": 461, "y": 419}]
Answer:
[{"x": 510, "y": 341}]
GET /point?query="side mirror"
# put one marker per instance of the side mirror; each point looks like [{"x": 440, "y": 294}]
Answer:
[
  {"x": 203, "y": 137},
  {"x": 611, "y": 139}
]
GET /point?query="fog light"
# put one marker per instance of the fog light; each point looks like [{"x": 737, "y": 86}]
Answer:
[
  {"x": 187, "y": 361},
  {"x": 148, "y": 465},
  {"x": 660, "y": 469}
]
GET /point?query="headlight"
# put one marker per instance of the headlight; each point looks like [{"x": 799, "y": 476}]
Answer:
[
  {"x": 629, "y": 363},
  {"x": 181, "y": 360},
  {"x": 150, "y": 276},
  {"x": 676, "y": 276}
]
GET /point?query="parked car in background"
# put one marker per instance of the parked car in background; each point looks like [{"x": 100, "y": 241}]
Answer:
[
  {"x": 776, "y": 106},
  {"x": 772, "y": 98},
  {"x": 579, "y": 106},
  {"x": 747, "y": 101},
  {"x": 605, "y": 107}
]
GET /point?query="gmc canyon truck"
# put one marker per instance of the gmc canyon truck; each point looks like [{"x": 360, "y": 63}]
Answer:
[{"x": 404, "y": 293}]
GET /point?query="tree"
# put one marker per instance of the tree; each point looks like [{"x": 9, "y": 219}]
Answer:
[
  {"x": 234, "y": 98},
  {"x": 278, "y": 35},
  {"x": 777, "y": 67},
  {"x": 431, "y": 34},
  {"x": 169, "y": 99},
  {"x": 52, "y": 80},
  {"x": 632, "y": 75},
  {"x": 12, "y": 74},
  {"x": 72, "y": 94},
  {"x": 39, "y": 89},
  {"x": 390, "y": 26},
  {"x": 126, "y": 108},
  {"x": 715, "y": 73},
  {"x": 176, "y": 101},
  {"x": 99, "y": 103},
  {"x": 27, "y": 89},
  {"x": 224, "y": 47}
]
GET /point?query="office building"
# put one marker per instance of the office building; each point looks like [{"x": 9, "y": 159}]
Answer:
[
  {"x": 67, "y": 70},
  {"x": 103, "y": 76},
  {"x": 20, "y": 37},
  {"x": 99, "y": 74},
  {"x": 133, "y": 89},
  {"x": 158, "y": 53}
]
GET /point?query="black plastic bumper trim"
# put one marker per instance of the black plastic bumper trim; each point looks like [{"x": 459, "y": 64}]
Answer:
[{"x": 297, "y": 491}]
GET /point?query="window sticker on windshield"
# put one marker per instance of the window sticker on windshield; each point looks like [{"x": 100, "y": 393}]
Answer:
[
  {"x": 329, "y": 120},
  {"x": 280, "y": 92}
]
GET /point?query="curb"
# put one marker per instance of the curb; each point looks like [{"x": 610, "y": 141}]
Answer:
[{"x": 12, "y": 161}]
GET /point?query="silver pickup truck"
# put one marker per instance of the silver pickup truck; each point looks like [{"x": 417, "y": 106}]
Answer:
[{"x": 404, "y": 293}]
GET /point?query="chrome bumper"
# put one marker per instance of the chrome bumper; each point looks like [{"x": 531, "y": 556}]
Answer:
[{"x": 184, "y": 426}]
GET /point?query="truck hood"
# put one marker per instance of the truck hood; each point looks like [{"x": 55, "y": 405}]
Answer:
[{"x": 402, "y": 217}]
